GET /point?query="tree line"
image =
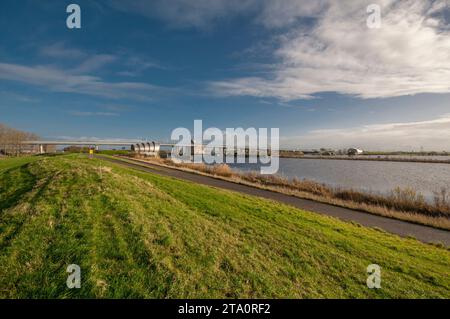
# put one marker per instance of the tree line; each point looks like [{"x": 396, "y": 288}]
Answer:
[{"x": 11, "y": 141}]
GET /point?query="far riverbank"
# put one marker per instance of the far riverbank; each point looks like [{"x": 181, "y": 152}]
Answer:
[{"x": 416, "y": 159}]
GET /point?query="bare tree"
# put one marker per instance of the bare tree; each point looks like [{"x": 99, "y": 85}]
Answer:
[{"x": 11, "y": 141}]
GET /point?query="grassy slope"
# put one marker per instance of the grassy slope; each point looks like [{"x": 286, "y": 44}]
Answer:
[
  {"x": 142, "y": 235},
  {"x": 9, "y": 163}
]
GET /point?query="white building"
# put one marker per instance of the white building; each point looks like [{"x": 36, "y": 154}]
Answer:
[{"x": 354, "y": 151}]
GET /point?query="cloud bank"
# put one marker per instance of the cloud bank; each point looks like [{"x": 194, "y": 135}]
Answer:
[
  {"x": 326, "y": 46},
  {"x": 409, "y": 54}
]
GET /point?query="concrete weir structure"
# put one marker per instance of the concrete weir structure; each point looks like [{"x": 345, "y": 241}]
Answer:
[{"x": 147, "y": 148}]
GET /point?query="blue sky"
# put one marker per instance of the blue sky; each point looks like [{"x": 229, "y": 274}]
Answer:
[{"x": 139, "y": 69}]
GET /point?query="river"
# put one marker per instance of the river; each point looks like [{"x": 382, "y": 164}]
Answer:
[{"x": 370, "y": 176}]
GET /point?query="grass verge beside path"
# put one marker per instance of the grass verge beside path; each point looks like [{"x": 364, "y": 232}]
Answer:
[{"x": 141, "y": 235}]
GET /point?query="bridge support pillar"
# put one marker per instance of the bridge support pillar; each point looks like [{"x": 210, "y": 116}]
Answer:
[
  {"x": 41, "y": 149},
  {"x": 96, "y": 148}
]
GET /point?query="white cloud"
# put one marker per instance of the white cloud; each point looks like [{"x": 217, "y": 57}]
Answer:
[
  {"x": 136, "y": 66},
  {"x": 60, "y": 50},
  {"x": 94, "y": 62},
  {"x": 6, "y": 95},
  {"x": 430, "y": 134},
  {"x": 85, "y": 62},
  {"x": 409, "y": 55},
  {"x": 58, "y": 80}
]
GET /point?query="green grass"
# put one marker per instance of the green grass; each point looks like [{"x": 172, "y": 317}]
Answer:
[
  {"x": 145, "y": 236},
  {"x": 9, "y": 163}
]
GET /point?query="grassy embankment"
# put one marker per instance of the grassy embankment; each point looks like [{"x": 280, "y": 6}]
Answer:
[
  {"x": 141, "y": 235},
  {"x": 403, "y": 204},
  {"x": 13, "y": 162}
]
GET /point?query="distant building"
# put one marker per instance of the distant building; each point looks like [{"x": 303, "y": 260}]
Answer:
[
  {"x": 354, "y": 151},
  {"x": 328, "y": 153}
]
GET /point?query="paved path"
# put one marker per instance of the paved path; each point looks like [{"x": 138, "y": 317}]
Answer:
[{"x": 401, "y": 228}]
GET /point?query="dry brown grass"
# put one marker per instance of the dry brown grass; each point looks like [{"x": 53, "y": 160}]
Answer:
[{"x": 404, "y": 204}]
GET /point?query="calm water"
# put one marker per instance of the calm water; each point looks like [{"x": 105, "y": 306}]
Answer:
[{"x": 372, "y": 176}]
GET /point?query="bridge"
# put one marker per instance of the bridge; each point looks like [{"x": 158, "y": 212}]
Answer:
[
  {"x": 140, "y": 146},
  {"x": 92, "y": 143}
]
